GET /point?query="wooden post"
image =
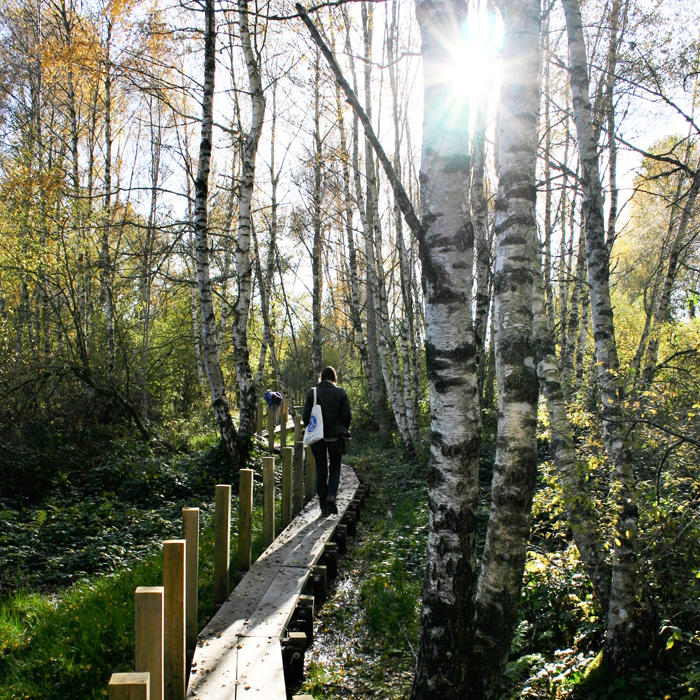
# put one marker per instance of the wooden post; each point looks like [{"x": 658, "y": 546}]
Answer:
[
  {"x": 190, "y": 533},
  {"x": 311, "y": 466},
  {"x": 245, "y": 519},
  {"x": 298, "y": 477},
  {"x": 271, "y": 428},
  {"x": 129, "y": 686},
  {"x": 330, "y": 558},
  {"x": 261, "y": 412},
  {"x": 222, "y": 543},
  {"x": 283, "y": 424},
  {"x": 174, "y": 683},
  {"x": 287, "y": 456},
  {"x": 309, "y": 477},
  {"x": 319, "y": 581},
  {"x": 268, "y": 501},
  {"x": 149, "y": 636},
  {"x": 297, "y": 428}
]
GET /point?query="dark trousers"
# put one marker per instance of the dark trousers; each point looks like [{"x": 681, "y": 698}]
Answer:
[{"x": 327, "y": 475}]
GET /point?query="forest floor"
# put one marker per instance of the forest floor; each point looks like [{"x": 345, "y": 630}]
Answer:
[{"x": 72, "y": 555}]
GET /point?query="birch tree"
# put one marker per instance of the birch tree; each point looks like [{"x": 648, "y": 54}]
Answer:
[
  {"x": 244, "y": 272},
  {"x": 512, "y": 488},
  {"x": 621, "y": 613},
  {"x": 450, "y": 577},
  {"x": 210, "y": 354}
]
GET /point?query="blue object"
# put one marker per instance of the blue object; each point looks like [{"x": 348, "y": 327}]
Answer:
[{"x": 273, "y": 398}]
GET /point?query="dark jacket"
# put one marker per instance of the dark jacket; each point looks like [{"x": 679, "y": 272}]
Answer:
[{"x": 335, "y": 407}]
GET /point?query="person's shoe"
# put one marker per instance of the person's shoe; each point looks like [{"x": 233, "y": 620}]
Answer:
[
  {"x": 332, "y": 507},
  {"x": 324, "y": 511}
]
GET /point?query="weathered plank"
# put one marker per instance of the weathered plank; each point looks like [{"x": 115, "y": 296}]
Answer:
[
  {"x": 277, "y": 605},
  {"x": 260, "y": 673},
  {"x": 238, "y": 653}
]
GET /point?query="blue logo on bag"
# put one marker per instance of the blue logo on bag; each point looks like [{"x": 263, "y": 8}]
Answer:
[{"x": 312, "y": 424}]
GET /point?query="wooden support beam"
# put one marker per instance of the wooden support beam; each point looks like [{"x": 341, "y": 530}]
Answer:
[
  {"x": 297, "y": 428},
  {"x": 149, "y": 636},
  {"x": 129, "y": 686},
  {"x": 261, "y": 416},
  {"x": 340, "y": 537},
  {"x": 222, "y": 543},
  {"x": 330, "y": 559},
  {"x": 174, "y": 683},
  {"x": 268, "y": 501},
  {"x": 190, "y": 533},
  {"x": 287, "y": 458},
  {"x": 245, "y": 519},
  {"x": 350, "y": 520},
  {"x": 303, "y": 618},
  {"x": 319, "y": 581}
]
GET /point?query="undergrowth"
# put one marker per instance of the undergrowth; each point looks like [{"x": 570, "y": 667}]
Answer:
[{"x": 67, "y": 623}]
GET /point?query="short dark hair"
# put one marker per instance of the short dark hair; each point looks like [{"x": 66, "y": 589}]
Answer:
[{"x": 329, "y": 375}]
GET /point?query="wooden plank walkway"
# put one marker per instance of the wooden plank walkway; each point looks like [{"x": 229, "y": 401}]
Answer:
[{"x": 239, "y": 654}]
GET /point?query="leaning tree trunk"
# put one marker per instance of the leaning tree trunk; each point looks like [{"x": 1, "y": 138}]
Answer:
[
  {"x": 316, "y": 202},
  {"x": 515, "y": 468},
  {"x": 568, "y": 349},
  {"x": 201, "y": 230},
  {"x": 373, "y": 366},
  {"x": 241, "y": 352},
  {"x": 621, "y": 615},
  {"x": 572, "y": 474},
  {"x": 455, "y": 443},
  {"x": 664, "y": 307}
]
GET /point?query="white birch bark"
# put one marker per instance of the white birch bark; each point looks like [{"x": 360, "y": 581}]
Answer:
[
  {"x": 373, "y": 366},
  {"x": 620, "y": 623},
  {"x": 201, "y": 230},
  {"x": 316, "y": 199},
  {"x": 407, "y": 322},
  {"x": 515, "y": 468},
  {"x": 455, "y": 443},
  {"x": 572, "y": 474},
  {"x": 246, "y": 382}
]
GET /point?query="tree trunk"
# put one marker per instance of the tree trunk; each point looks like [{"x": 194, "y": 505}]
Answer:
[
  {"x": 621, "y": 613},
  {"x": 106, "y": 262},
  {"x": 572, "y": 474},
  {"x": 201, "y": 230},
  {"x": 664, "y": 307},
  {"x": 569, "y": 348},
  {"x": 373, "y": 367},
  {"x": 317, "y": 196},
  {"x": 407, "y": 323},
  {"x": 515, "y": 468},
  {"x": 455, "y": 443},
  {"x": 246, "y": 383},
  {"x": 265, "y": 282}
]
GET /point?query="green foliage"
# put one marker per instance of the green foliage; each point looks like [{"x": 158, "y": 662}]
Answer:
[{"x": 98, "y": 515}]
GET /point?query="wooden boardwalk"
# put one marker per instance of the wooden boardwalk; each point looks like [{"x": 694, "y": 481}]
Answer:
[{"x": 239, "y": 653}]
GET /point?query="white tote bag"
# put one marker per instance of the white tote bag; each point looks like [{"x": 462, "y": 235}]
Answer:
[{"x": 314, "y": 430}]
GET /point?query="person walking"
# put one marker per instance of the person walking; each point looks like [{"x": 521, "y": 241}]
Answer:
[{"x": 335, "y": 408}]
